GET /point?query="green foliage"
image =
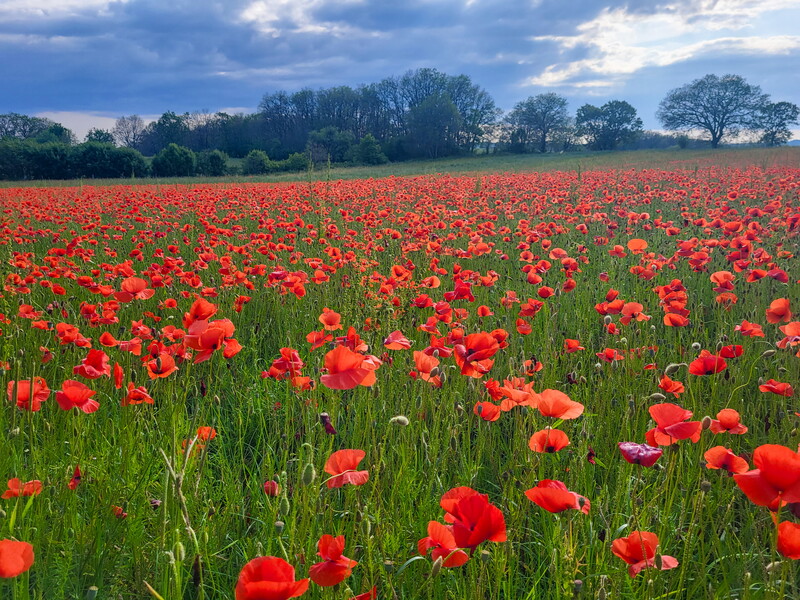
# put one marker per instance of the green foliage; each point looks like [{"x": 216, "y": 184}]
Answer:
[
  {"x": 212, "y": 163},
  {"x": 100, "y": 136},
  {"x": 773, "y": 121},
  {"x": 368, "y": 152},
  {"x": 256, "y": 163},
  {"x": 608, "y": 126},
  {"x": 329, "y": 143},
  {"x": 174, "y": 161}
]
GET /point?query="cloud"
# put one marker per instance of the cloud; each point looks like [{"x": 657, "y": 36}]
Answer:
[{"x": 619, "y": 43}]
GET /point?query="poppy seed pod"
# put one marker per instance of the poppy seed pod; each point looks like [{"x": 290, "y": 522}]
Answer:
[
  {"x": 706, "y": 422},
  {"x": 309, "y": 474},
  {"x": 768, "y": 353},
  {"x": 399, "y": 420},
  {"x": 608, "y": 319},
  {"x": 696, "y": 346},
  {"x": 705, "y": 486},
  {"x": 657, "y": 397}
]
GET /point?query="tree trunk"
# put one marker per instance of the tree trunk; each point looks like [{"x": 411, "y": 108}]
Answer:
[{"x": 543, "y": 143}]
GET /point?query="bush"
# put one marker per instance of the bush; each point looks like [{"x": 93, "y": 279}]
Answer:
[
  {"x": 174, "y": 161},
  {"x": 212, "y": 163},
  {"x": 256, "y": 163},
  {"x": 368, "y": 152}
]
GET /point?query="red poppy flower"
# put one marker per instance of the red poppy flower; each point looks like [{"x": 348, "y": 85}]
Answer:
[
  {"x": 440, "y": 539},
  {"x": 776, "y": 478},
  {"x": 734, "y": 351},
  {"x": 676, "y": 388},
  {"x": 201, "y": 310},
  {"x": 269, "y": 578},
  {"x": 639, "y": 551},
  {"x": 609, "y": 355},
  {"x": 74, "y": 394},
  {"x": 487, "y": 411},
  {"x": 672, "y": 425},
  {"x": 425, "y": 364},
  {"x": 749, "y": 329},
  {"x": 76, "y": 478},
  {"x": 789, "y": 540},
  {"x": 342, "y": 464},
  {"x": 572, "y": 345},
  {"x": 720, "y": 457},
  {"x": 396, "y": 341},
  {"x": 370, "y": 595},
  {"x": 707, "y": 364},
  {"x": 161, "y": 366},
  {"x": 475, "y": 520},
  {"x": 556, "y": 404},
  {"x": 28, "y": 394},
  {"x": 331, "y": 320},
  {"x": 727, "y": 421},
  {"x": 94, "y": 365},
  {"x": 776, "y": 387},
  {"x": 134, "y": 288},
  {"x": 335, "y": 568},
  {"x": 548, "y": 440},
  {"x": 272, "y": 488},
  {"x": 347, "y": 369},
  {"x": 16, "y": 488},
  {"x": 15, "y": 558},
  {"x": 779, "y": 311},
  {"x": 554, "y": 497},
  {"x": 640, "y": 454},
  {"x": 136, "y": 395}
]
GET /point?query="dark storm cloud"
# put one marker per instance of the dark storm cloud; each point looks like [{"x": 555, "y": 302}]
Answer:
[{"x": 149, "y": 56}]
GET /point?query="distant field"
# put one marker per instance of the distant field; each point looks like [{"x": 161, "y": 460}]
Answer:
[{"x": 510, "y": 163}]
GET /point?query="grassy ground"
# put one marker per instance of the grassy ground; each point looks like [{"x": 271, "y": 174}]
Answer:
[{"x": 510, "y": 163}]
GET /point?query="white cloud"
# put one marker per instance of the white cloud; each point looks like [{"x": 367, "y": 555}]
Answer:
[
  {"x": 81, "y": 122},
  {"x": 267, "y": 15},
  {"x": 620, "y": 43},
  {"x": 52, "y": 8}
]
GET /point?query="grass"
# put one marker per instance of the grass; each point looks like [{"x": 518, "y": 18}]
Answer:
[{"x": 194, "y": 520}]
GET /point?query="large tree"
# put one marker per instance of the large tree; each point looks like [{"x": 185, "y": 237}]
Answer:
[
  {"x": 607, "y": 126},
  {"x": 773, "y": 121},
  {"x": 718, "y": 106},
  {"x": 128, "y": 131},
  {"x": 537, "y": 119}
]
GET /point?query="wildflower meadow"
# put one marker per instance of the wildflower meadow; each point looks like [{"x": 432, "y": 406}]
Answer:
[{"x": 508, "y": 386}]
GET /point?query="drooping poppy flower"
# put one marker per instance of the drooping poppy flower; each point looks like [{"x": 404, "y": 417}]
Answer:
[
  {"x": 707, "y": 364},
  {"x": 269, "y": 578},
  {"x": 94, "y": 365},
  {"x": 347, "y": 369},
  {"x": 548, "y": 440},
  {"x": 776, "y": 478},
  {"x": 639, "y": 551},
  {"x": 720, "y": 457},
  {"x": 440, "y": 539},
  {"x": 727, "y": 421},
  {"x": 28, "y": 394},
  {"x": 342, "y": 465},
  {"x": 779, "y": 311},
  {"x": 789, "y": 540},
  {"x": 136, "y": 395},
  {"x": 556, "y": 404},
  {"x": 74, "y": 394},
  {"x": 672, "y": 425},
  {"x": 335, "y": 567},
  {"x": 16, "y": 488},
  {"x": 554, "y": 497},
  {"x": 676, "y": 388},
  {"x": 15, "y": 558},
  {"x": 640, "y": 454},
  {"x": 396, "y": 341},
  {"x": 776, "y": 387}
]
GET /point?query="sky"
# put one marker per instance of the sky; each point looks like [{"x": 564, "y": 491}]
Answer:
[{"x": 84, "y": 63}]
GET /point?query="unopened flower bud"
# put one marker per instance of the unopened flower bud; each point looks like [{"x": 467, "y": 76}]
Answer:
[
  {"x": 696, "y": 346},
  {"x": 705, "y": 486},
  {"x": 279, "y": 525},
  {"x": 284, "y": 506},
  {"x": 768, "y": 353},
  {"x": 657, "y": 397},
  {"x": 608, "y": 320},
  {"x": 309, "y": 474},
  {"x": 437, "y": 566}
]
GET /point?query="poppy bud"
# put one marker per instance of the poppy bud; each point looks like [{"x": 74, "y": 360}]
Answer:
[
  {"x": 705, "y": 486},
  {"x": 706, "y": 422},
  {"x": 399, "y": 420},
  {"x": 284, "y": 507},
  {"x": 767, "y": 353},
  {"x": 608, "y": 319},
  {"x": 657, "y": 397},
  {"x": 279, "y": 525},
  {"x": 760, "y": 381},
  {"x": 437, "y": 566},
  {"x": 696, "y": 346},
  {"x": 309, "y": 474},
  {"x": 577, "y": 587},
  {"x": 197, "y": 571},
  {"x": 203, "y": 388},
  {"x": 672, "y": 368},
  {"x": 598, "y": 366},
  {"x": 435, "y": 372},
  {"x": 366, "y": 528},
  {"x": 773, "y": 566}
]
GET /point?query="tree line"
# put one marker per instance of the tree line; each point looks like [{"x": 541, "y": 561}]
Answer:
[{"x": 422, "y": 114}]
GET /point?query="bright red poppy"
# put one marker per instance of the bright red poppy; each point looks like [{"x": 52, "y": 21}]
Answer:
[
  {"x": 707, "y": 364},
  {"x": 554, "y": 497},
  {"x": 548, "y": 440},
  {"x": 776, "y": 478},
  {"x": 94, "y": 365},
  {"x": 342, "y": 465},
  {"x": 789, "y": 540},
  {"x": 779, "y": 311},
  {"x": 776, "y": 387},
  {"x": 28, "y": 394},
  {"x": 335, "y": 567},
  {"x": 727, "y": 421},
  {"x": 269, "y": 578},
  {"x": 556, "y": 404},
  {"x": 74, "y": 394},
  {"x": 639, "y": 551},
  {"x": 15, "y": 558},
  {"x": 16, "y": 488},
  {"x": 347, "y": 369},
  {"x": 672, "y": 425},
  {"x": 443, "y": 544}
]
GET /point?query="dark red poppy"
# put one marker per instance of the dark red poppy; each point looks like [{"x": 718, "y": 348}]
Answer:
[
  {"x": 269, "y": 578},
  {"x": 640, "y": 454}
]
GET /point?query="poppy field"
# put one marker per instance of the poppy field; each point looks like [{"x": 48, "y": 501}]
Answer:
[{"x": 516, "y": 386}]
